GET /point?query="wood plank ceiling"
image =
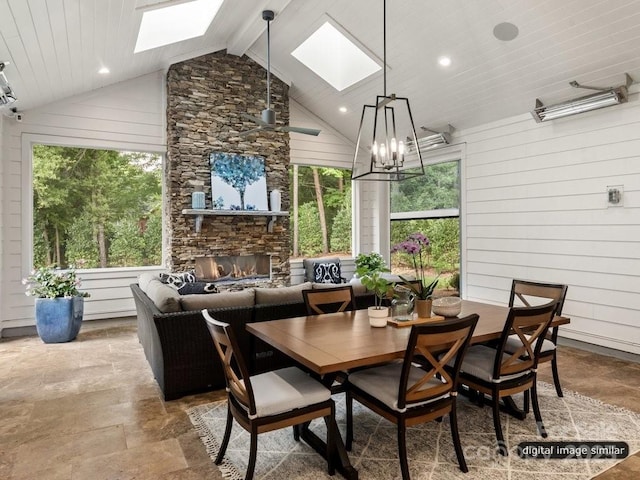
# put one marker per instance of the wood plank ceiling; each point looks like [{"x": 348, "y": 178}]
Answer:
[{"x": 56, "y": 48}]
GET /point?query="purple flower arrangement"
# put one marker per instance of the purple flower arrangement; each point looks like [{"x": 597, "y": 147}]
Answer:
[{"x": 417, "y": 245}]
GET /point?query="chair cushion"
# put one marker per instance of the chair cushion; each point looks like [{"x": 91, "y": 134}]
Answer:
[
  {"x": 285, "y": 390},
  {"x": 478, "y": 362},
  {"x": 383, "y": 383},
  {"x": 514, "y": 343}
]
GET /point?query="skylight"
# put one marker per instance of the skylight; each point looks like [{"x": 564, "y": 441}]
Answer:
[
  {"x": 335, "y": 58},
  {"x": 175, "y": 23}
]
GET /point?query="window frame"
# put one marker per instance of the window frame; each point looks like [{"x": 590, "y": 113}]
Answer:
[{"x": 28, "y": 142}]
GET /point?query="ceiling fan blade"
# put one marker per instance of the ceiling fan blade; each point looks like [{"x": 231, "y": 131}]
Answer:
[
  {"x": 249, "y": 132},
  {"x": 254, "y": 119},
  {"x": 305, "y": 131}
]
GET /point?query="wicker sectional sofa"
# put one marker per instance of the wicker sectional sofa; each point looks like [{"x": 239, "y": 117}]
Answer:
[{"x": 178, "y": 346}]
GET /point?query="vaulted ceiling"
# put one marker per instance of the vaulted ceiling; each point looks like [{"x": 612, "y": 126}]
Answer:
[{"x": 56, "y": 47}]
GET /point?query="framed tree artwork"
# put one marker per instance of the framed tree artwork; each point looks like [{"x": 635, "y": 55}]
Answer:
[{"x": 238, "y": 182}]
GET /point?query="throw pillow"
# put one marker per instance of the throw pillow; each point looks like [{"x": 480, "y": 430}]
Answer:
[
  {"x": 328, "y": 272},
  {"x": 177, "y": 280},
  {"x": 308, "y": 264},
  {"x": 197, "y": 288}
]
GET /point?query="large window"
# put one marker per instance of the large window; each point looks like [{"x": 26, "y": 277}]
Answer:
[
  {"x": 320, "y": 211},
  {"x": 429, "y": 204},
  {"x": 96, "y": 208}
]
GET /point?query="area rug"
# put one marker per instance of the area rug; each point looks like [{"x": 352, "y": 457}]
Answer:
[{"x": 431, "y": 455}]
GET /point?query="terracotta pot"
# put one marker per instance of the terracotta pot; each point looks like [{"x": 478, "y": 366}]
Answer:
[{"x": 423, "y": 308}]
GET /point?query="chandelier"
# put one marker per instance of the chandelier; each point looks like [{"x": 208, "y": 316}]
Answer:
[{"x": 387, "y": 146}]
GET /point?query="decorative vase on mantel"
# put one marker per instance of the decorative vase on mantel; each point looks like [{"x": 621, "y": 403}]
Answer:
[
  {"x": 58, "y": 320},
  {"x": 423, "y": 308}
]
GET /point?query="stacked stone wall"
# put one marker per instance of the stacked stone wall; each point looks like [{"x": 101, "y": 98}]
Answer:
[{"x": 206, "y": 97}]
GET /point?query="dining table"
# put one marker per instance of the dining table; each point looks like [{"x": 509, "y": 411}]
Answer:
[{"x": 336, "y": 342}]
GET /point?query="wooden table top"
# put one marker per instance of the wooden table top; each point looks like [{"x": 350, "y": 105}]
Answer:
[{"x": 341, "y": 341}]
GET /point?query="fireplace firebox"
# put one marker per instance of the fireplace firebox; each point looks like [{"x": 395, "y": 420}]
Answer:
[{"x": 233, "y": 268}]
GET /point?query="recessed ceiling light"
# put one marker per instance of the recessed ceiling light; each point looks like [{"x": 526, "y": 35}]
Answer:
[
  {"x": 103, "y": 71},
  {"x": 175, "y": 23},
  {"x": 505, "y": 31},
  {"x": 343, "y": 109},
  {"x": 335, "y": 58},
  {"x": 444, "y": 61}
]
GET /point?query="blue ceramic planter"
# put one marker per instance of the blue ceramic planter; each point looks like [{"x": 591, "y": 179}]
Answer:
[{"x": 58, "y": 320}]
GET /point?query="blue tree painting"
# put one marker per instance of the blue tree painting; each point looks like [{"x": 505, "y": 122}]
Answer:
[{"x": 239, "y": 180}]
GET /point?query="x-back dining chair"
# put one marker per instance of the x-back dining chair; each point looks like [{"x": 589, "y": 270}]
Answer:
[
  {"x": 529, "y": 293},
  {"x": 407, "y": 393},
  {"x": 268, "y": 401},
  {"x": 495, "y": 372},
  {"x": 329, "y": 300}
]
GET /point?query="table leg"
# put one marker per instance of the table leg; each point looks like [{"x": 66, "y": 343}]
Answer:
[{"x": 342, "y": 462}]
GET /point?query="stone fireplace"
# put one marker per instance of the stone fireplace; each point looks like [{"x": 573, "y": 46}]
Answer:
[{"x": 206, "y": 97}]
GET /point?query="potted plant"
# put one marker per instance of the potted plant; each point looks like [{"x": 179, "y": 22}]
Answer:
[
  {"x": 370, "y": 270},
  {"x": 417, "y": 245},
  {"x": 59, "y": 303}
]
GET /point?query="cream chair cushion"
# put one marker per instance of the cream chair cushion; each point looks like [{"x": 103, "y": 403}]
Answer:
[
  {"x": 479, "y": 360},
  {"x": 383, "y": 383},
  {"x": 285, "y": 390}
]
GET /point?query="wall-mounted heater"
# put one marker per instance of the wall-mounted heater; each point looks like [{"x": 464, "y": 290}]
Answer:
[
  {"x": 604, "y": 98},
  {"x": 433, "y": 138}
]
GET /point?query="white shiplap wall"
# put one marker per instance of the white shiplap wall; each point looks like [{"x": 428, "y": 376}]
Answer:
[
  {"x": 128, "y": 115},
  {"x": 2, "y": 123},
  {"x": 536, "y": 208}
]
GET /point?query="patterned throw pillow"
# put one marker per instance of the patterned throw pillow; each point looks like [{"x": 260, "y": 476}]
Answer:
[
  {"x": 326, "y": 272},
  {"x": 177, "y": 280},
  {"x": 191, "y": 288}
]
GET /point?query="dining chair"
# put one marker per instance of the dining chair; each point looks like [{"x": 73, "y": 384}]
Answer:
[
  {"x": 495, "y": 372},
  {"x": 407, "y": 393},
  {"x": 329, "y": 300},
  {"x": 527, "y": 293},
  {"x": 268, "y": 401}
]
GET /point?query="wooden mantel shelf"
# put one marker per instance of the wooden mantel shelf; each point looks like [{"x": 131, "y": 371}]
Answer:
[{"x": 201, "y": 213}]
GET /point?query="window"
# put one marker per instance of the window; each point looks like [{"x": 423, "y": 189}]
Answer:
[
  {"x": 320, "y": 211},
  {"x": 429, "y": 204},
  {"x": 96, "y": 208}
]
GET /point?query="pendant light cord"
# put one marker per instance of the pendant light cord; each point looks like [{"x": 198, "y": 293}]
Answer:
[
  {"x": 268, "y": 64},
  {"x": 384, "y": 45}
]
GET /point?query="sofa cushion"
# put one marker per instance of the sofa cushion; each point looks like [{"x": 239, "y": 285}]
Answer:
[
  {"x": 358, "y": 287},
  {"x": 243, "y": 298},
  {"x": 145, "y": 278},
  {"x": 271, "y": 296},
  {"x": 165, "y": 298}
]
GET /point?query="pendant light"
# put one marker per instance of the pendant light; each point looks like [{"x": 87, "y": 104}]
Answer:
[{"x": 387, "y": 145}]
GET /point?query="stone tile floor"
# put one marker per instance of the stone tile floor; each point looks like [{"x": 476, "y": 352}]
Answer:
[{"x": 90, "y": 409}]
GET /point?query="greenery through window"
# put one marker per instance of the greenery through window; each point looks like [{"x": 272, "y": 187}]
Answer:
[
  {"x": 96, "y": 208},
  {"x": 322, "y": 202},
  {"x": 429, "y": 204}
]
